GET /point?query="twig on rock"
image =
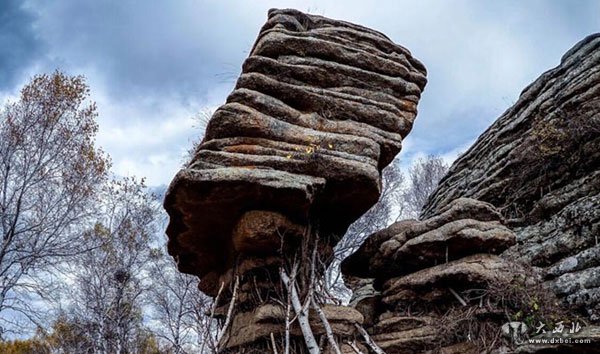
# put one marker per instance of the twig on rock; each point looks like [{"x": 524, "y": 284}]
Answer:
[
  {"x": 230, "y": 310},
  {"x": 328, "y": 331},
  {"x": 274, "y": 344},
  {"x": 288, "y": 308},
  {"x": 302, "y": 314},
  {"x": 212, "y": 316},
  {"x": 354, "y": 347},
  {"x": 368, "y": 339},
  {"x": 460, "y": 299}
]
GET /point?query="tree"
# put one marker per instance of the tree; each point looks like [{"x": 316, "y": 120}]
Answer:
[
  {"x": 398, "y": 200},
  {"x": 25, "y": 346},
  {"x": 109, "y": 282},
  {"x": 423, "y": 176},
  {"x": 179, "y": 309},
  {"x": 376, "y": 218},
  {"x": 70, "y": 336},
  {"x": 50, "y": 173}
]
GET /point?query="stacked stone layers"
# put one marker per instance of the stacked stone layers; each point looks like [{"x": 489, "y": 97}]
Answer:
[
  {"x": 287, "y": 163},
  {"x": 249, "y": 327},
  {"x": 320, "y": 108},
  {"x": 422, "y": 267},
  {"x": 539, "y": 163}
]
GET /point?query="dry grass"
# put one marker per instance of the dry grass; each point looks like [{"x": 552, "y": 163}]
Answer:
[{"x": 523, "y": 299}]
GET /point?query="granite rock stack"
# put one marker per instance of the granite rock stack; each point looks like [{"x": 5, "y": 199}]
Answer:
[
  {"x": 509, "y": 240},
  {"x": 290, "y": 160}
]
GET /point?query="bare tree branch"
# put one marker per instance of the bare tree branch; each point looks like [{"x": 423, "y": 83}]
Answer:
[
  {"x": 301, "y": 313},
  {"x": 368, "y": 339}
]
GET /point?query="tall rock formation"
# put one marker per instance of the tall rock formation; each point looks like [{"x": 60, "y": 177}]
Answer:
[
  {"x": 287, "y": 164},
  {"x": 517, "y": 214},
  {"x": 539, "y": 163}
]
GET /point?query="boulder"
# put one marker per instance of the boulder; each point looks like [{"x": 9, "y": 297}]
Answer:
[
  {"x": 452, "y": 241},
  {"x": 258, "y": 324},
  {"x": 465, "y": 227},
  {"x": 434, "y": 284}
]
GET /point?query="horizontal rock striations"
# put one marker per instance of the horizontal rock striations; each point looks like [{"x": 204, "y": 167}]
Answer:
[
  {"x": 517, "y": 216},
  {"x": 529, "y": 152},
  {"x": 539, "y": 164},
  {"x": 288, "y": 163},
  {"x": 320, "y": 108},
  {"x": 466, "y": 227},
  {"x": 422, "y": 270}
]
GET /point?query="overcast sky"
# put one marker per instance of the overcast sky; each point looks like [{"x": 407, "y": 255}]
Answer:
[{"x": 153, "y": 65}]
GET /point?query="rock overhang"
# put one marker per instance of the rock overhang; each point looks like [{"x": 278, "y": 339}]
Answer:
[{"x": 320, "y": 108}]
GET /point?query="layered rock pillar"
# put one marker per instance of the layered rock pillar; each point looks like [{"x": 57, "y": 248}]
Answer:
[
  {"x": 287, "y": 164},
  {"x": 423, "y": 274}
]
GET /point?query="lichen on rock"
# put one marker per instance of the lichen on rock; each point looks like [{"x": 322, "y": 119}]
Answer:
[{"x": 539, "y": 164}]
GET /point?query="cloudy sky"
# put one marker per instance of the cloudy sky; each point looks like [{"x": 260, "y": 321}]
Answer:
[{"x": 153, "y": 65}]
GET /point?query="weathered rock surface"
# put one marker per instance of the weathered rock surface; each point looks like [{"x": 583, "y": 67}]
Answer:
[
  {"x": 517, "y": 216},
  {"x": 249, "y": 327},
  {"x": 286, "y": 165},
  {"x": 454, "y": 240},
  {"x": 261, "y": 232},
  {"x": 401, "y": 323},
  {"x": 535, "y": 130},
  {"x": 539, "y": 163},
  {"x": 465, "y": 227},
  {"x": 433, "y": 284},
  {"x": 423, "y": 269},
  {"x": 414, "y": 340},
  {"x": 295, "y": 155},
  {"x": 320, "y": 108}
]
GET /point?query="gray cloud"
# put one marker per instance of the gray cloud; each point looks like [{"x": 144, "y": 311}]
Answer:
[
  {"x": 19, "y": 45},
  {"x": 162, "y": 48}
]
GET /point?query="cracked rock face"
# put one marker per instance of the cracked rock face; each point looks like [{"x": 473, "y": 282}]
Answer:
[
  {"x": 320, "y": 108},
  {"x": 465, "y": 227},
  {"x": 539, "y": 163},
  {"x": 524, "y": 201},
  {"x": 419, "y": 268}
]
